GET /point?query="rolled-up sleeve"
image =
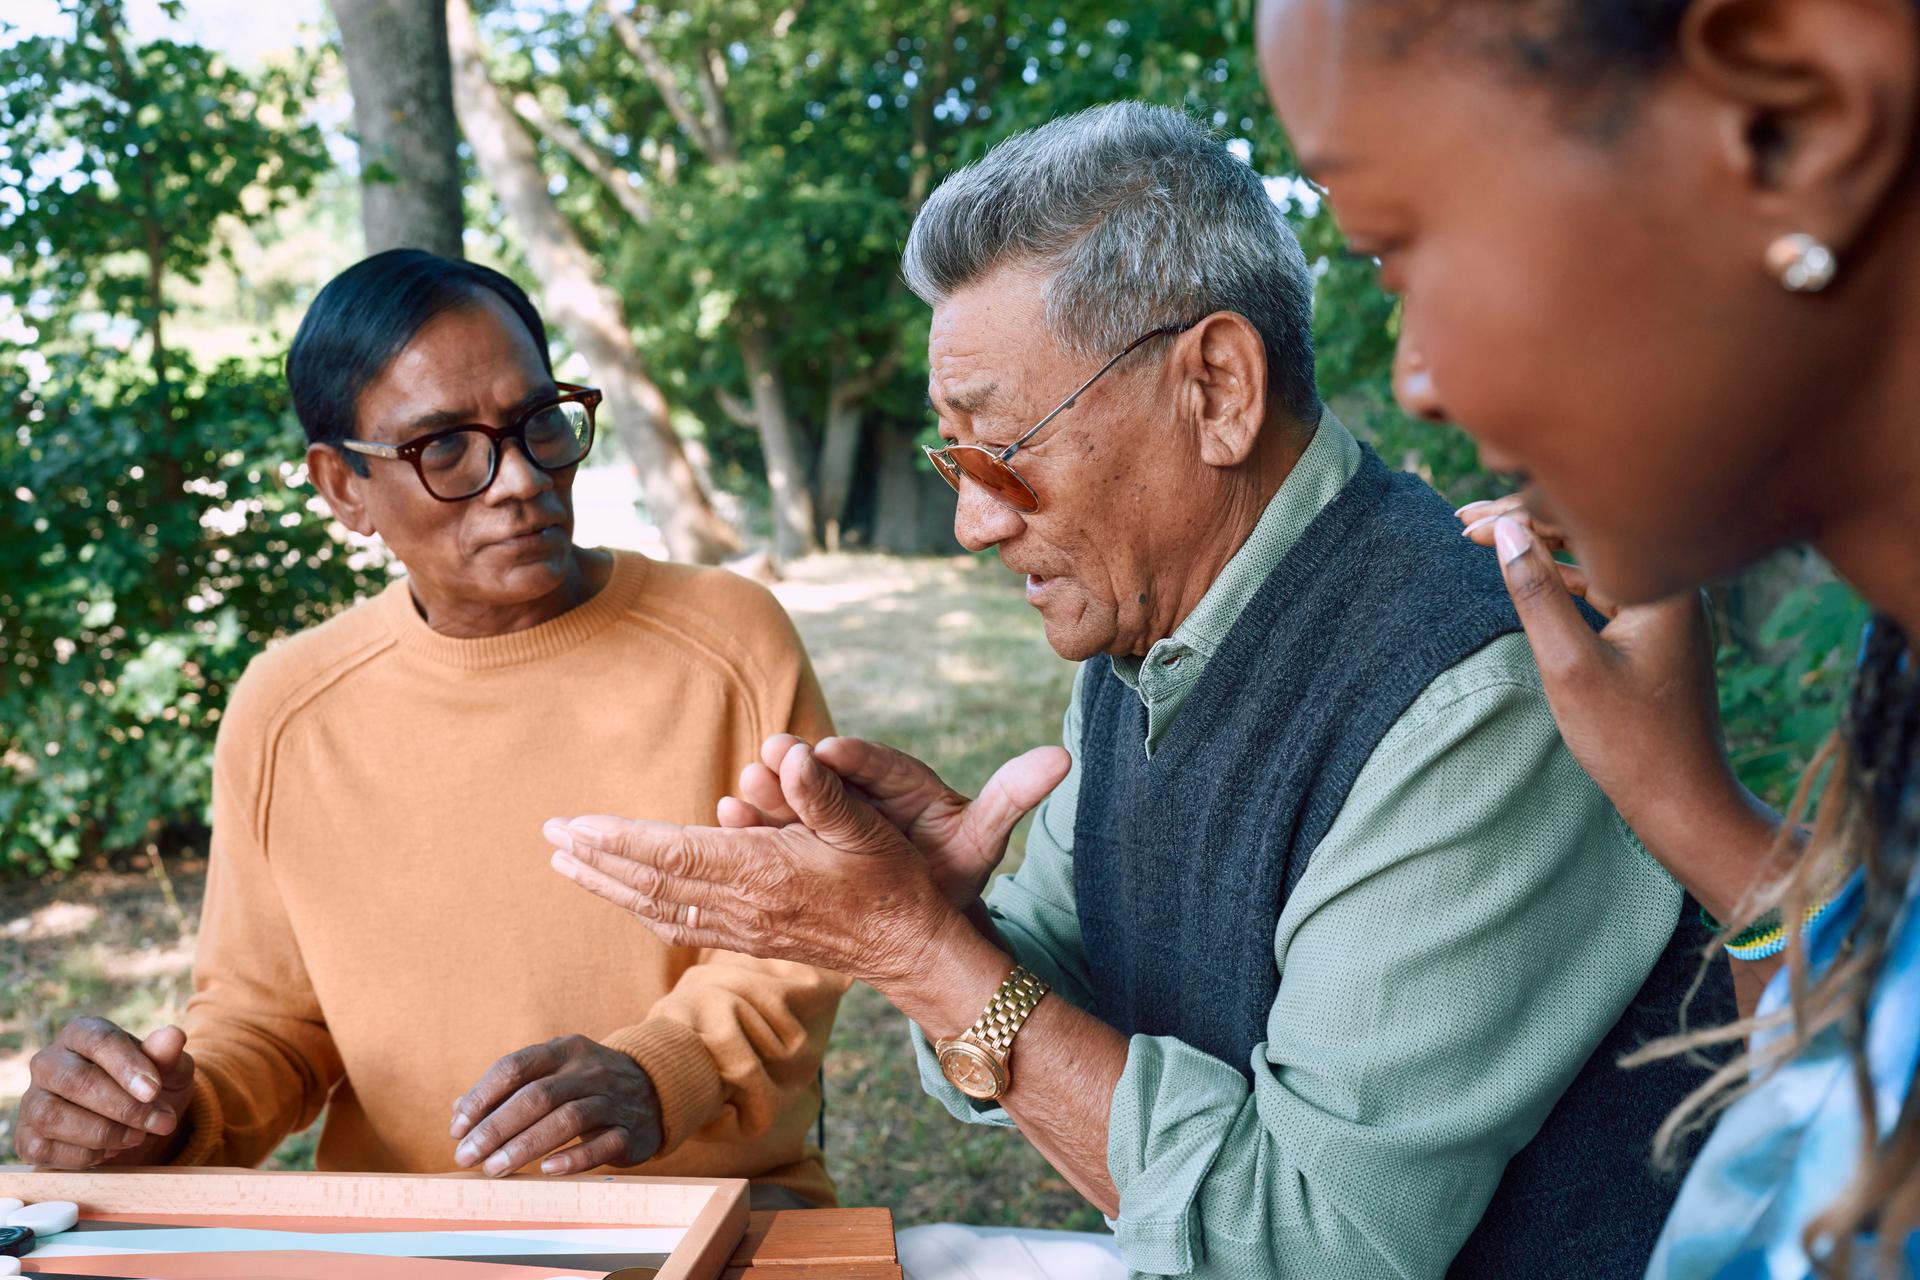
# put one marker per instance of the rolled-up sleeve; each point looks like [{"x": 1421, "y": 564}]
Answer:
[{"x": 1470, "y": 927}]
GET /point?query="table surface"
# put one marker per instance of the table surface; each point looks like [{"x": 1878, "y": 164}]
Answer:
[{"x": 817, "y": 1244}]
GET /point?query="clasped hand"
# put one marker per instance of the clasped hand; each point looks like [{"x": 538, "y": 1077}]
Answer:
[{"x": 854, "y": 857}]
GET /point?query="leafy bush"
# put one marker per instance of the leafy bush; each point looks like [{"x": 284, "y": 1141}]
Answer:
[
  {"x": 153, "y": 545},
  {"x": 1782, "y": 696},
  {"x": 150, "y": 542}
]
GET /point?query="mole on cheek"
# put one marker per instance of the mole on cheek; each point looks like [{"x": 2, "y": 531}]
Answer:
[{"x": 1143, "y": 597}]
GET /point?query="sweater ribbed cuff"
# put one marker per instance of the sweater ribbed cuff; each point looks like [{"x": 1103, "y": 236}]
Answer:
[
  {"x": 684, "y": 1076},
  {"x": 205, "y": 1123}
]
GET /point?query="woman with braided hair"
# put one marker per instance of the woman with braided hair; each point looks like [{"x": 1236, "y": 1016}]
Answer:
[{"x": 1662, "y": 259}]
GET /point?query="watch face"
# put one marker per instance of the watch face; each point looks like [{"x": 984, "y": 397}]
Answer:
[{"x": 970, "y": 1070}]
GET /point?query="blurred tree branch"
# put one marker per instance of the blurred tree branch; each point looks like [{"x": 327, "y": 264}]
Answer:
[
  {"x": 620, "y": 183},
  {"x": 591, "y": 314}
]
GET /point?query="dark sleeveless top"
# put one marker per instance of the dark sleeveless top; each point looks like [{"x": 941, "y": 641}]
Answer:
[{"x": 1183, "y": 862}]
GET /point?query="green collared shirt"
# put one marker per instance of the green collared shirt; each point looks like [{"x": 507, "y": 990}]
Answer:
[{"x": 1472, "y": 924}]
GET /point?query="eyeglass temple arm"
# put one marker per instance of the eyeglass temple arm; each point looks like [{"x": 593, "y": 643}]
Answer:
[{"x": 1067, "y": 404}]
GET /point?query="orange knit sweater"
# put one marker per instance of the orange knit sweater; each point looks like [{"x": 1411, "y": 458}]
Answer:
[{"x": 381, "y": 923}]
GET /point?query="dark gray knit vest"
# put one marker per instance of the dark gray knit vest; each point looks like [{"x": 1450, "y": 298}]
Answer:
[{"x": 1182, "y": 863}]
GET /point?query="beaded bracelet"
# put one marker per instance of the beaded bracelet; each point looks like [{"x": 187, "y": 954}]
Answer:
[{"x": 1765, "y": 937}]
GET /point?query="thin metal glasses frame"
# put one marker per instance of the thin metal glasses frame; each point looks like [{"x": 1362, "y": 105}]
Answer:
[{"x": 951, "y": 470}]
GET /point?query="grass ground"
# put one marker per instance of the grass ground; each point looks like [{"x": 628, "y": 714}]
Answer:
[{"x": 941, "y": 657}]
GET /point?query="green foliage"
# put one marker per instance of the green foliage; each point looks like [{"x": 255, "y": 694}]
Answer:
[
  {"x": 151, "y": 540},
  {"x": 843, "y": 115},
  {"x": 1782, "y": 696},
  {"x": 153, "y": 546},
  {"x": 118, "y": 166}
]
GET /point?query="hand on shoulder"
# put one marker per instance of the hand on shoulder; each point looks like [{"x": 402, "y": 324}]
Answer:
[{"x": 1636, "y": 702}]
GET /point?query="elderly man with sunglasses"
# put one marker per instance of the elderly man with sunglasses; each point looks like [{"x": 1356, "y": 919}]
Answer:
[
  {"x": 381, "y": 935},
  {"x": 1317, "y": 961}
]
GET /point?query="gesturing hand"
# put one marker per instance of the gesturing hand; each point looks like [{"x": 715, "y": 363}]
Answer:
[
  {"x": 98, "y": 1096},
  {"x": 838, "y": 888},
  {"x": 962, "y": 839},
  {"x": 1636, "y": 705},
  {"x": 539, "y": 1099}
]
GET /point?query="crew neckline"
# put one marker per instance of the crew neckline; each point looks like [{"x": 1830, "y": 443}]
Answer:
[{"x": 554, "y": 636}]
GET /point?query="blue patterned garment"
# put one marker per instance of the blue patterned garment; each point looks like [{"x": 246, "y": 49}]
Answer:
[{"x": 1785, "y": 1152}]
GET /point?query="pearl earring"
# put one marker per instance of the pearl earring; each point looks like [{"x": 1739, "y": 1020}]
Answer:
[{"x": 1801, "y": 263}]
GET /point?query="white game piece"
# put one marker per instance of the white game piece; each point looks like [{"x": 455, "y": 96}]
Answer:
[
  {"x": 48, "y": 1218},
  {"x": 9, "y": 1266},
  {"x": 8, "y": 1205}
]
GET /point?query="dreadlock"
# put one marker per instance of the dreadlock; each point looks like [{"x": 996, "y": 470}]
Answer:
[{"x": 1881, "y": 728}]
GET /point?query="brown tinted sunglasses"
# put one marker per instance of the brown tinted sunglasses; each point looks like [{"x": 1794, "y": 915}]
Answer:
[{"x": 990, "y": 469}]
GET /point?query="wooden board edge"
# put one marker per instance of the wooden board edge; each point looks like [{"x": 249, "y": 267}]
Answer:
[
  {"x": 582, "y": 1198},
  {"x": 796, "y": 1236},
  {"x": 712, "y": 1236}
]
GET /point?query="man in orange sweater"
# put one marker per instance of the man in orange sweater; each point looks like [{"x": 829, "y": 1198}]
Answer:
[{"x": 382, "y": 936}]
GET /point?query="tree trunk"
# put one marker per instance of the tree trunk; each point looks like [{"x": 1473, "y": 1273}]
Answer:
[
  {"x": 913, "y": 507},
  {"x": 589, "y": 312},
  {"x": 705, "y": 124},
  {"x": 839, "y": 454},
  {"x": 792, "y": 504},
  {"x": 847, "y": 394},
  {"x": 397, "y": 68}
]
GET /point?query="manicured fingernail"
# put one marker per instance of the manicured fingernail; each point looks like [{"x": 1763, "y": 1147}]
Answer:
[
  {"x": 145, "y": 1088},
  {"x": 466, "y": 1153},
  {"x": 564, "y": 864},
  {"x": 1513, "y": 539},
  {"x": 1461, "y": 511},
  {"x": 556, "y": 832},
  {"x": 1414, "y": 385},
  {"x": 1481, "y": 523},
  {"x": 496, "y": 1164},
  {"x": 460, "y": 1125},
  {"x": 552, "y": 1166},
  {"x": 159, "y": 1121}
]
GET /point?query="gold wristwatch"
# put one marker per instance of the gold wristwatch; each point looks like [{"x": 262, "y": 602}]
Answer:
[{"x": 975, "y": 1061}]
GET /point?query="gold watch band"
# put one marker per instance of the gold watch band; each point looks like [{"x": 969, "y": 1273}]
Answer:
[{"x": 1008, "y": 1011}]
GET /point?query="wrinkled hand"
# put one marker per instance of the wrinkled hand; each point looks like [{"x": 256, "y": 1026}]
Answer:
[
  {"x": 98, "y": 1096},
  {"x": 839, "y": 888},
  {"x": 962, "y": 839},
  {"x": 1637, "y": 706},
  {"x": 534, "y": 1102}
]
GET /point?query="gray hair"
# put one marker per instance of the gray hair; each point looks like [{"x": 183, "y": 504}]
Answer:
[{"x": 1142, "y": 219}]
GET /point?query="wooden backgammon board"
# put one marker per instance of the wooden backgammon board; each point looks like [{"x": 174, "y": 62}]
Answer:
[{"x": 178, "y": 1224}]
